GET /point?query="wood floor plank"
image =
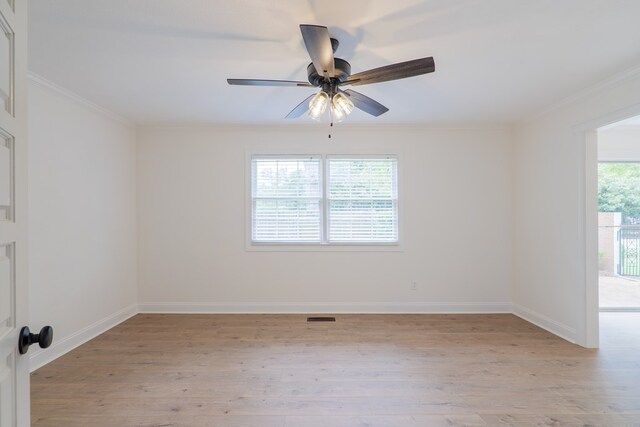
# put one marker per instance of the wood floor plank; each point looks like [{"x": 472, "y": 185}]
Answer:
[
  {"x": 562, "y": 420},
  {"x": 362, "y": 370},
  {"x": 350, "y": 421},
  {"x": 160, "y": 421}
]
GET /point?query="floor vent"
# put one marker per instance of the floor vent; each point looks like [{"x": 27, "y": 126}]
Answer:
[{"x": 321, "y": 319}]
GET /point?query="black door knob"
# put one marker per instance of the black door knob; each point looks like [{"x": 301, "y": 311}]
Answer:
[{"x": 44, "y": 338}]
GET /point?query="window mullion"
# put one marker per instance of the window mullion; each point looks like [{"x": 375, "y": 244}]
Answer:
[{"x": 325, "y": 200}]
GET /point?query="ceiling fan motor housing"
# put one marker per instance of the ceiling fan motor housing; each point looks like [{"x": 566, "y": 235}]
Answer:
[{"x": 342, "y": 72}]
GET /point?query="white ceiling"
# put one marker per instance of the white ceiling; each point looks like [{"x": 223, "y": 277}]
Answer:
[{"x": 497, "y": 61}]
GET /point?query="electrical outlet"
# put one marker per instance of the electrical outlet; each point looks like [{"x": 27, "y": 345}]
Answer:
[{"x": 414, "y": 286}]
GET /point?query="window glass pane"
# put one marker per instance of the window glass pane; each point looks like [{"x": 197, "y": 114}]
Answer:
[
  {"x": 363, "y": 200},
  {"x": 286, "y": 196},
  {"x": 286, "y": 220},
  {"x": 286, "y": 178}
]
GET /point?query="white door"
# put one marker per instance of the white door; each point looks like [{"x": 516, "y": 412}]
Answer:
[{"x": 14, "y": 368}]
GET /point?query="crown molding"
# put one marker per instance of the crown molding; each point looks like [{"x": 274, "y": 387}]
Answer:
[
  {"x": 583, "y": 94},
  {"x": 322, "y": 127},
  {"x": 620, "y": 128},
  {"x": 42, "y": 81}
]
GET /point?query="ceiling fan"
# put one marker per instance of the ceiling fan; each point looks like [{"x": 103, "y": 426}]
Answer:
[{"x": 330, "y": 74}]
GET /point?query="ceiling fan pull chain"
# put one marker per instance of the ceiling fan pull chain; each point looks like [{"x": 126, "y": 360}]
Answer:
[{"x": 330, "y": 121}]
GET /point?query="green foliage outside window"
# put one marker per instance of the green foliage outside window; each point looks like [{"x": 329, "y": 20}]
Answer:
[{"x": 619, "y": 190}]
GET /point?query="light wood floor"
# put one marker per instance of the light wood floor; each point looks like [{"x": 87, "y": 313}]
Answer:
[{"x": 363, "y": 370}]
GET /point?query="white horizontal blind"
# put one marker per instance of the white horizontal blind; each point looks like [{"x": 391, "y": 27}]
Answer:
[
  {"x": 363, "y": 199},
  {"x": 286, "y": 200}
]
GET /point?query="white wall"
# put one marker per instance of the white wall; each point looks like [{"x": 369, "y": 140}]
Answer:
[
  {"x": 619, "y": 144},
  {"x": 457, "y": 213},
  {"x": 82, "y": 219},
  {"x": 553, "y": 206}
]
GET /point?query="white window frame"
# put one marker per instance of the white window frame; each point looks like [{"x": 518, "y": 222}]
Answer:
[
  {"x": 324, "y": 244},
  {"x": 321, "y": 208}
]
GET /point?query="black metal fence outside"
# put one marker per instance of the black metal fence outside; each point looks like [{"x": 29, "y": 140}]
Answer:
[{"x": 629, "y": 238}]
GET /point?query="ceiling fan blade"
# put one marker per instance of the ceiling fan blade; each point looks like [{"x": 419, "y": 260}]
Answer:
[
  {"x": 397, "y": 71},
  {"x": 365, "y": 103},
  {"x": 300, "y": 108},
  {"x": 258, "y": 82},
  {"x": 316, "y": 39}
]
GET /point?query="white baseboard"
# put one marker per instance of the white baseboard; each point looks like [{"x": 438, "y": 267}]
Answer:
[
  {"x": 303, "y": 307},
  {"x": 66, "y": 344},
  {"x": 546, "y": 323},
  {"x": 61, "y": 346}
]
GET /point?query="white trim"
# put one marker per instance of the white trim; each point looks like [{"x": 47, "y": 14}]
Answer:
[
  {"x": 41, "y": 357},
  {"x": 589, "y": 325},
  {"x": 329, "y": 307},
  {"x": 608, "y": 119},
  {"x": 322, "y": 128},
  {"x": 619, "y": 128},
  {"x": 563, "y": 331},
  {"x": 79, "y": 99},
  {"x": 588, "y": 318},
  {"x": 584, "y": 93},
  {"x": 324, "y": 247}
]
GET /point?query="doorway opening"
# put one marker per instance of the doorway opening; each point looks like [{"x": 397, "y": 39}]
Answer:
[{"x": 619, "y": 216}]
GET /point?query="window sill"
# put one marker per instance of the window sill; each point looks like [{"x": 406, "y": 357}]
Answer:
[{"x": 319, "y": 247}]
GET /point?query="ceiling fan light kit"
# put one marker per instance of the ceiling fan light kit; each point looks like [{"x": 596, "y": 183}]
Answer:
[{"x": 330, "y": 74}]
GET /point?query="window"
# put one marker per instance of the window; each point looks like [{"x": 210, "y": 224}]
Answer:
[
  {"x": 324, "y": 199},
  {"x": 363, "y": 200},
  {"x": 286, "y": 199}
]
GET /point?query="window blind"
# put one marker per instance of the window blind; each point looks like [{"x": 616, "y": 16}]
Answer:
[
  {"x": 362, "y": 200},
  {"x": 286, "y": 199}
]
